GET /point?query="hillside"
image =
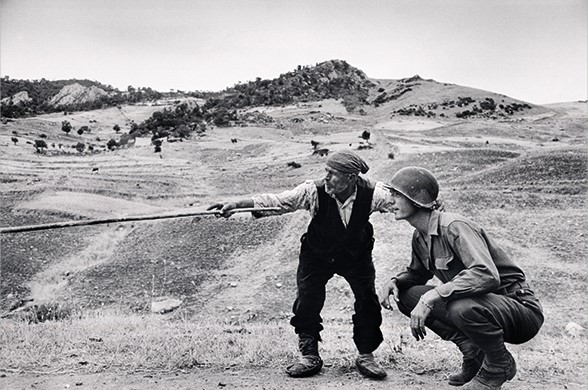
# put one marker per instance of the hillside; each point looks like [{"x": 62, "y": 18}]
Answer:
[
  {"x": 334, "y": 79},
  {"x": 26, "y": 98},
  {"x": 522, "y": 174}
]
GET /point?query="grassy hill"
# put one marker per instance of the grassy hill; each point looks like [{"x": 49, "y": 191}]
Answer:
[{"x": 521, "y": 175}]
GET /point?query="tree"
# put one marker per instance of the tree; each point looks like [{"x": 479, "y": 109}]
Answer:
[
  {"x": 157, "y": 143},
  {"x": 366, "y": 135},
  {"x": 40, "y": 145},
  {"x": 80, "y": 131},
  {"x": 116, "y": 128},
  {"x": 111, "y": 144},
  {"x": 66, "y": 127},
  {"x": 14, "y": 139},
  {"x": 80, "y": 146}
]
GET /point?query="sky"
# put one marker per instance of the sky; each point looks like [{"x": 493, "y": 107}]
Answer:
[{"x": 532, "y": 50}]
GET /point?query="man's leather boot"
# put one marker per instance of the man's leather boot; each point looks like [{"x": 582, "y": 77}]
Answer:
[
  {"x": 367, "y": 365},
  {"x": 310, "y": 363},
  {"x": 493, "y": 373},
  {"x": 473, "y": 357}
]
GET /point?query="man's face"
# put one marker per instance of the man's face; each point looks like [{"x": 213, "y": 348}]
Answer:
[
  {"x": 337, "y": 182},
  {"x": 403, "y": 207}
]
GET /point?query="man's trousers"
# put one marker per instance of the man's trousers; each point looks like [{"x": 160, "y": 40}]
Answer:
[{"x": 312, "y": 276}]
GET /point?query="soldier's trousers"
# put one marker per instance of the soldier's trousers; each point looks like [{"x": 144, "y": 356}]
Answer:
[{"x": 487, "y": 320}]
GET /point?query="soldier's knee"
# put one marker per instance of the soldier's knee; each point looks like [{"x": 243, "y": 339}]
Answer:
[
  {"x": 407, "y": 301},
  {"x": 460, "y": 310}
]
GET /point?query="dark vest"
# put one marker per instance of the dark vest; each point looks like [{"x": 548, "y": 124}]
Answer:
[{"x": 326, "y": 234}]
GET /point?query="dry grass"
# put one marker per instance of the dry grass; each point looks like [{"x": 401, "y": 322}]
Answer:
[{"x": 113, "y": 341}]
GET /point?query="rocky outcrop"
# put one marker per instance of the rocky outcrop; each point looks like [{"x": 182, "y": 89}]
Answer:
[
  {"x": 77, "y": 94},
  {"x": 18, "y": 98}
]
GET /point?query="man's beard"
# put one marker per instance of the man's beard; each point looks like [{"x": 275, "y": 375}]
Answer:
[
  {"x": 333, "y": 191},
  {"x": 329, "y": 191}
]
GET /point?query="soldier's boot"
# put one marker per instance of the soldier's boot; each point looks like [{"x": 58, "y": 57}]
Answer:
[
  {"x": 310, "y": 362},
  {"x": 496, "y": 369},
  {"x": 473, "y": 357}
]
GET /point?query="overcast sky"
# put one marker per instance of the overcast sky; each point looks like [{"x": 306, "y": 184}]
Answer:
[{"x": 533, "y": 50}]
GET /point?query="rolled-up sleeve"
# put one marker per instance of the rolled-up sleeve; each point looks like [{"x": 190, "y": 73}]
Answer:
[
  {"x": 382, "y": 200},
  {"x": 302, "y": 197}
]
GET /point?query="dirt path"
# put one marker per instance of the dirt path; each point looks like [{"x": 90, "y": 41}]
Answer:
[{"x": 254, "y": 378}]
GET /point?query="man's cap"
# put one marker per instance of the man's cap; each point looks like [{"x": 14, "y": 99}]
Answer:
[{"x": 348, "y": 162}]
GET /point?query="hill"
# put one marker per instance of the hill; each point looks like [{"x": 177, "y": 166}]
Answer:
[
  {"x": 350, "y": 87},
  {"x": 520, "y": 174},
  {"x": 46, "y": 96},
  {"x": 334, "y": 79}
]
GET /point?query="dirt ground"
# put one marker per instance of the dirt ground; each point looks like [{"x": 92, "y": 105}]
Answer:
[{"x": 258, "y": 378}]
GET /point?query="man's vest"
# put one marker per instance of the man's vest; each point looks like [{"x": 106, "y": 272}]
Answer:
[{"x": 328, "y": 236}]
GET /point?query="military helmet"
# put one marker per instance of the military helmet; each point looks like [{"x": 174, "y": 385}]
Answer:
[{"x": 417, "y": 184}]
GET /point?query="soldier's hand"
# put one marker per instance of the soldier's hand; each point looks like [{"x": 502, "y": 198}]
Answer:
[
  {"x": 421, "y": 311},
  {"x": 390, "y": 288},
  {"x": 417, "y": 320}
]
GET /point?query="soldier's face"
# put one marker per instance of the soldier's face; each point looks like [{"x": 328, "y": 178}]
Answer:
[
  {"x": 337, "y": 182},
  {"x": 403, "y": 207}
]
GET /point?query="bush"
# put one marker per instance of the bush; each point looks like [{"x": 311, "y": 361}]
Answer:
[
  {"x": 80, "y": 146},
  {"x": 66, "y": 127},
  {"x": 366, "y": 135},
  {"x": 111, "y": 144},
  {"x": 40, "y": 145},
  {"x": 47, "y": 312}
]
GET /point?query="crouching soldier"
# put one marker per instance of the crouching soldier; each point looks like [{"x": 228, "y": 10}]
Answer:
[{"x": 484, "y": 299}]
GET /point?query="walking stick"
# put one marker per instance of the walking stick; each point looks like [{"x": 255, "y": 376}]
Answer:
[{"x": 181, "y": 214}]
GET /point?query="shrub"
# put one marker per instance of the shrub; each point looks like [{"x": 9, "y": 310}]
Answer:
[
  {"x": 80, "y": 146},
  {"x": 40, "y": 145},
  {"x": 66, "y": 127},
  {"x": 111, "y": 144},
  {"x": 366, "y": 135},
  {"x": 47, "y": 312}
]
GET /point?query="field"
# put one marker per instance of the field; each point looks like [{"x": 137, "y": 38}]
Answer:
[{"x": 523, "y": 178}]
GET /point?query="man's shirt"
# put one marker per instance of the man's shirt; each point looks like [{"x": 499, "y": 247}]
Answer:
[
  {"x": 305, "y": 197},
  {"x": 461, "y": 255}
]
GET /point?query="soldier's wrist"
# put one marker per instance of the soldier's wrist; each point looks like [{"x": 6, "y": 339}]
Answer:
[
  {"x": 427, "y": 303},
  {"x": 432, "y": 297}
]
